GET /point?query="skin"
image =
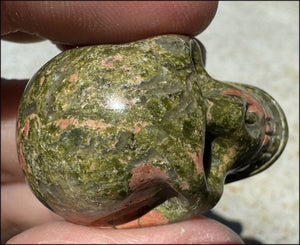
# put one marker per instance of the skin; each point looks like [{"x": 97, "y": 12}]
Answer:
[{"x": 68, "y": 24}]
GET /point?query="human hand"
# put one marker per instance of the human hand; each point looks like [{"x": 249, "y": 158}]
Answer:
[{"x": 24, "y": 219}]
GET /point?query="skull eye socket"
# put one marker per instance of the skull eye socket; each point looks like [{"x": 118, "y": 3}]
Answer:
[{"x": 251, "y": 118}]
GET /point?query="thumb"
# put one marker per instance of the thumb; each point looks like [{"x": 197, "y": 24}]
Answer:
[{"x": 84, "y": 22}]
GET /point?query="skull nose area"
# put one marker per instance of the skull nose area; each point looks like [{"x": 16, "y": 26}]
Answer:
[{"x": 274, "y": 129}]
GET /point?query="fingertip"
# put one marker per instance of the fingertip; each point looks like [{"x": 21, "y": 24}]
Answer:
[
  {"x": 194, "y": 231},
  {"x": 77, "y": 23}
]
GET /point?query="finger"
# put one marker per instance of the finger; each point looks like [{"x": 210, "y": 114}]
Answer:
[
  {"x": 76, "y": 22},
  {"x": 11, "y": 92},
  {"x": 197, "y": 230},
  {"x": 21, "y": 210},
  {"x": 33, "y": 214}
]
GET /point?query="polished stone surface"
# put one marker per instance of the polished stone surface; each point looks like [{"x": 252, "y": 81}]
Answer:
[{"x": 251, "y": 42}]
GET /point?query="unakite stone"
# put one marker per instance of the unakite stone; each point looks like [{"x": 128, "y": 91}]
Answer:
[{"x": 109, "y": 133}]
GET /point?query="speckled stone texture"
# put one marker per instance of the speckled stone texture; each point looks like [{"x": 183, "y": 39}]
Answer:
[
  {"x": 267, "y": 33},
  {"x": 107, "y": 133},
  {"x": 97, "y": 121}
]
